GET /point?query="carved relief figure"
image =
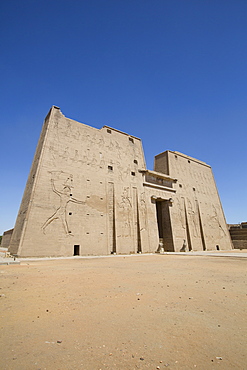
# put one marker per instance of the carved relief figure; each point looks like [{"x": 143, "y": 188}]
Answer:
[
  {"x": 65, "y": 197},
  {"x": 120, "y": 171},
  {"x": 102, "y": 161},
  {"x": 119, "y": 149},
  {"x": 215, "y": 220},
  {"x": 193, "y": 219},
  {"x": 126, "y": 206},
  {"x": 143, "y": 209},
  {"x": 76, "y": 156},
  {"x": 101, "y": 142},
  {"x": 65, "y": 154},
  {"x": 52, "y": 155},
  {"x": 181, "y": 212}
]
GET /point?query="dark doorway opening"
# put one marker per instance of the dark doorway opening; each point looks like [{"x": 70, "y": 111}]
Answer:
[
  {"x": 76, "y": 250},
  {"x": 164, "y": 224},
  {"x": 217, "y": 247}
]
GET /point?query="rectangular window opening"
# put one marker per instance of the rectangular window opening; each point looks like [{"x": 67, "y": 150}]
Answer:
[{"x": 110, "y": 168}]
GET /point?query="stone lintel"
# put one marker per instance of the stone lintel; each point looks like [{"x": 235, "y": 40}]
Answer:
[
  {"x": 151, "y": 185},
  {"x": 159, "y": 175}
]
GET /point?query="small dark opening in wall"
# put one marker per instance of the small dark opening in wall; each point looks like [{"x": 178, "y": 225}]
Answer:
[
  {"x": 108, "y": 131},
  {"x": 110, "y": 168},
  {"x": 135, "y": 161},
  {"x": 70, "y": 213},
  {"x": 188, "y": 161},
  {"x": 176, "y": 156},
  {"x": 131, "y": 140},
  {"x": 133, "y": 173},
  {"x": 180, "y": 185},
  {"x": 70, "y": 195},
  {"x": 76, "y": 250},
  {"x": 217, "y": 247},
  {"x": 194, "y": 189}
]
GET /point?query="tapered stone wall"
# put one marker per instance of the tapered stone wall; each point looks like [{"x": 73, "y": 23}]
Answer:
[{"x": 197, "y": 215}]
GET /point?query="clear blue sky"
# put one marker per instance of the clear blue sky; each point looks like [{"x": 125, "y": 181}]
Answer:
[{"x": 172, "y": 72}]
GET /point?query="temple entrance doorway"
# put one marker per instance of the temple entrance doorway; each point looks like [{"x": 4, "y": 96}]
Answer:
[{"x": 164, "y": 224}]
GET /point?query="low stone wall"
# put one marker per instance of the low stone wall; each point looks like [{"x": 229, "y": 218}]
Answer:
[{"x": 238, "y": 236}]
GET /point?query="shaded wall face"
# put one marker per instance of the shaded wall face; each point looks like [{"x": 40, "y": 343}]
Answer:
[
  {"x": 6, "y": 238},
  {"x": 197, "y": 217}
]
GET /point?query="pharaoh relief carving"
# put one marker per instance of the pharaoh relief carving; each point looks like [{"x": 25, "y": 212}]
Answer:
[
  {"x": 215, "y": 221},
  {"x": 61, "y": 184}
]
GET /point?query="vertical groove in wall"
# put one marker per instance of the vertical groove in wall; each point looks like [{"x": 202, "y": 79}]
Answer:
[
  {"x": 187, "y": 228},
  {"x": 201, "y": 227},
  {"x": 114, "y": 244},
  {"x": 111, "y": 218},
  {"x": 139, "y": 246},
  {"x": 167, "y": 164}
]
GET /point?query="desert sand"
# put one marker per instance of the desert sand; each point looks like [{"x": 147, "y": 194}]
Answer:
[{"x": 124, "y": 312}]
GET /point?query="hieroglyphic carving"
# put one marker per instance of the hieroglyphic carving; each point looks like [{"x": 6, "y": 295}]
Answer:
[
  {"x": 181, "y": 212},
  {"x": 143, "y": 210},
  {"x": 101, "y": 142},
  {"x": 126, "y": 205},
  {"x": 102, "y": 161},
  {"x": 94, "y": 162},
  {"x": 126, "y": 172},
  {"x": 111, "y": 218},
  {"x": 193, "y": 219},
  {"x": 68, "y": 128},
  {"x": 52, "y": 155},
  {"x": 65, "y": 154},
  {"x": 120, "y": 171},
  {"x": 65, "y": 197},
  {"x": 119, "y": 150}
]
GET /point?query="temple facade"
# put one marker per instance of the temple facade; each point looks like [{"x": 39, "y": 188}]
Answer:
[{"x": 89, "y": 193}]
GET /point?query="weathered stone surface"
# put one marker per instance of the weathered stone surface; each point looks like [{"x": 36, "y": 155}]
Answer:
[
  {"x": 89, "y": 193},
  {"x": 6, "y": 238}
]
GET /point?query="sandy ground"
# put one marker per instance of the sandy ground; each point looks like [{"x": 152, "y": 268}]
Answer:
[{"x": 133, "y": 312}]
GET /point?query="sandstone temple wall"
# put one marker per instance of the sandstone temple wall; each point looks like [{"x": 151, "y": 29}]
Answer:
[{"x": 89, "y": 193}]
